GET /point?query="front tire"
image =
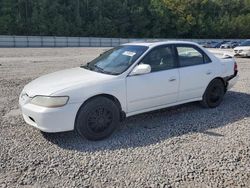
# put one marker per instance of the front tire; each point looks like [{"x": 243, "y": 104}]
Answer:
[
  {"x": 214, "y": 94},
  {"x": 97, "y": 119}
]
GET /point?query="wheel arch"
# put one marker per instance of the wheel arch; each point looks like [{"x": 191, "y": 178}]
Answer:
[
  {"x": 217, "y": 78},
  {"x": 225, "y": 83},
  {"x": 111, "y": 97},
  {"x": 204, "y": 101}
]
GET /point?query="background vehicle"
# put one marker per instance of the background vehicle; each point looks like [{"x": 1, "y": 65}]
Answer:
[
  {"x": 127, "y": 80},
  {"x": 243, "y": 49},
  {"x": 203, "y": 44},
  {"x": 210, "y": 44},
  {"x": 213, "y": 44},
  {"x": 231, "y": 44},
  {"x": 220, "y": 43}
]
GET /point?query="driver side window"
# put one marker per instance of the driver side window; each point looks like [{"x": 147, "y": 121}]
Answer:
[{"x": 160, "y": 58}]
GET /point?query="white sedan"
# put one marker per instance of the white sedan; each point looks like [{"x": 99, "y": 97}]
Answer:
[
  {"x": 130, "y": 79},
  {"x": 243, "y": 49}
]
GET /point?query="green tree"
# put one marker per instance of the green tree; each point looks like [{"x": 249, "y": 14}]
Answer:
[{"x": 127, "y": 18}]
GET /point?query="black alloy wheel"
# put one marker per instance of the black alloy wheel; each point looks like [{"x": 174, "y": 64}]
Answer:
[
  {"x": 214, "y": 94},
  {"x": 97, "y": 119}
]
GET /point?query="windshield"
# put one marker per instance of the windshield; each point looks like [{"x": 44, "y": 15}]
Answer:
[
  {"x": 245, "y": 43},
  {"x": 116, "y": 60}
]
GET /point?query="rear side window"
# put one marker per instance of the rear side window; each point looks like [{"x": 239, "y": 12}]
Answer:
[{"x": 190, "y": 56}]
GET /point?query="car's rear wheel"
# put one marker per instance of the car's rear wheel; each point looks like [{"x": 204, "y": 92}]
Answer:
[
  {"x": 97, "y": 119},
  {"x": 214, "y": 94}
]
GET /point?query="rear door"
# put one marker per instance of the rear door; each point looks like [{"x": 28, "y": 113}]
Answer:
[
  {"x": 196, "y": 71},
  {"x": 158, "y": 88}
]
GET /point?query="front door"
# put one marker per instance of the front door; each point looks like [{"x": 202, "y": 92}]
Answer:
[{"x": 158, "y": 88}]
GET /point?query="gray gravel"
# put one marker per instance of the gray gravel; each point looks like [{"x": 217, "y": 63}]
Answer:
[{"x": 183, "y": 146}]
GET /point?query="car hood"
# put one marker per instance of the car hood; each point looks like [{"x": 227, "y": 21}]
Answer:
[
  {"x": 54, "y": 82},
  {"x": 242, "y": 48}
]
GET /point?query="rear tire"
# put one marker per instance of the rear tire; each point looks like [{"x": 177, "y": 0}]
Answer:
[
  {"x": 97, "y": 119},
  {"x": 214, "y": 94}
]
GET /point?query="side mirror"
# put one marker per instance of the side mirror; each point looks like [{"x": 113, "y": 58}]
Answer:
[{"x": 141, "y": 69}]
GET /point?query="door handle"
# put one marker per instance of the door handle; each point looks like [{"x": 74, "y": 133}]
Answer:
[{"x": 172, "y": 79}]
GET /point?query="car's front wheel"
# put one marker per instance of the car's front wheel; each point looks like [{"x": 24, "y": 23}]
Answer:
[
  {"x": 97, "y": 119},
  {"x": 214, "y": 94}
]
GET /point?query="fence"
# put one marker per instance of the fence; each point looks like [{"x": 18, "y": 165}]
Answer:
[{"x": 50, "y": 41}]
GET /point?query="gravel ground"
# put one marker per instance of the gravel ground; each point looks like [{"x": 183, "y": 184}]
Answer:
[{"x": 183, "y": 146}]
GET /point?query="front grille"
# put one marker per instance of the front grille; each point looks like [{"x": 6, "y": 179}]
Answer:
[{"x": 238, "y": 51}]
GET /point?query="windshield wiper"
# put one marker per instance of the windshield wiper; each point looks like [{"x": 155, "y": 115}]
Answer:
[
  {"x": 99, "y": 69},
  {"x": 104, "y": 71},
  {"x": 86, "y": 66}
]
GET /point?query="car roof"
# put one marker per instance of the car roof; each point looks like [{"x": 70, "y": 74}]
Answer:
[{"x": 158, "y": 43}]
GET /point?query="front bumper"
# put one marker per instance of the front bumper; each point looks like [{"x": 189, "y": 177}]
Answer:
[
  {"x": 50, "y": 119},
  {"x": 241, "y": 53}
]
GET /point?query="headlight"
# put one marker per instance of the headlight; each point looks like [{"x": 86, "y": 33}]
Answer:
[{"x": 50, "y": 102}]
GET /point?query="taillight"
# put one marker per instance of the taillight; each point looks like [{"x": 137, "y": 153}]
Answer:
[{"x": 235, "y": 67}]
